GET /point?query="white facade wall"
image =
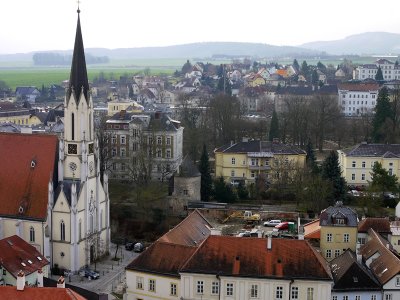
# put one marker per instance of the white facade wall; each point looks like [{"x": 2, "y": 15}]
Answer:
[
  {"x": 389, "y": 71},
  {"x": 392, "y": 287},
  {"x": 357, "y": 103},
  {"x": 364, "y": 295}
]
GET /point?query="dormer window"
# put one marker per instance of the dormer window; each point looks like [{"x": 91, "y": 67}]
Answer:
[
  {"x": 340, "y": 221},
  {"x": 33, "y": 163}
]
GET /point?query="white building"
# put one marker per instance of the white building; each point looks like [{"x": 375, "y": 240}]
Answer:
[
  {"x": 390, "y": 70},
  {"x": 357, "y": 99}
]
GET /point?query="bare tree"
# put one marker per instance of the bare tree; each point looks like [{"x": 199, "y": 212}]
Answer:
[{"x": 104, "y": 140}]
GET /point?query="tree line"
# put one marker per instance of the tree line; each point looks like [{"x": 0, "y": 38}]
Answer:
[{"x": 47, "y": 59}]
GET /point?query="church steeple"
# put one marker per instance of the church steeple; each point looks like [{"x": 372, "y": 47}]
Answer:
[{"x": 78, "y": 81}]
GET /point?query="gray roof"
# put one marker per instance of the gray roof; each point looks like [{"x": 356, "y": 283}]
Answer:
[
  {"x": 338, "y": 211},
  {"x": 188, "y": 168},
  {"x": 375, "y": 150},
  {"x": 66, "y": 186},
  {"x": 261, "y": 146}
]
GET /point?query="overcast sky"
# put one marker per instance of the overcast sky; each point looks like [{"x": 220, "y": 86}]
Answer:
[{"x": 35, "y": 25}]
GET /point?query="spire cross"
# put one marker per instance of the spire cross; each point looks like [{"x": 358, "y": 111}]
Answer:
[{"x": 79, "y": 2}]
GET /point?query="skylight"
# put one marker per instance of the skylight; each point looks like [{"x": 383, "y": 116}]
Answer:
[
  {"x": 29, "y": 261},
  {"x": 23, "y": 264},
  {"x": 39, "y": 258}
]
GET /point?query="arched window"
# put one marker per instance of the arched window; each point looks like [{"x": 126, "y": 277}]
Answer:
[
  {"x": 62, "y": 231},
  {"x": 32, "y": 234},
  {"x": 72, "y": 126},
  {"x": 80, "y": 229}
]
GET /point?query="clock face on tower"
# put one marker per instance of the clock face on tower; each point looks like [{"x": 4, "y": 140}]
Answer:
[{"x": 72, "y": 148}]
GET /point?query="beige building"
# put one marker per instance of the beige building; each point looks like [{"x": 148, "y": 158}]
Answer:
[
  {"x": 338, "y": 230},
  {"x": 245, "y": 161},
  {"x": 129, "y": 106},
  {"x": 356, "y": 163}
]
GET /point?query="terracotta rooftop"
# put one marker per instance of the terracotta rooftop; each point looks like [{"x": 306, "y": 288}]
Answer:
[
  {"x": 359, "y": 87},
  {"x": 235, "y": 256},
  {"x": 17, "y": 255},
  {"x": 386, "y": 265},
  {"x": 36, "y": 293},
  {"x": 312, "y": 230},
  {"x": 162, "y": 258},
  {"x": 28, "y": 163},
  {"x": 190, "y": 232},
  {"x": 348, "y": 274},
  {"x": 380, "y": 225}
]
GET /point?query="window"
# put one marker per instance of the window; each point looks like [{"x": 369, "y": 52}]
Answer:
[
  {"x": 72, "y": 126},
  {"x": 279, "y": 292},
  {"x": 135, "y": 133},
  {"x": 390, "y": 171},
  {"x": 32, "y": 234},
  {"x": 329, "y": 237},
  {"x": 114, "y": 152},
  {"x": 361, "y": 241},
  {"x": 345, "y": 297},
  {"x": 362, "y": 176},
  {"x": 388, "y": 297},
  {"x": 186, "y": 192},
  {"x": 334, "y": 297},
  {"x": 233, "y": 161},
  {"x": 397, "y": 281},
  {"x": 310, "y": 293},
  {"x": 373, "y": 297},
  {"x": 114, "y": 139},
  {"x": 158, "y": 153},
  {"x": 168, "y": 141},
  {"x": 363, "y": 164},
  {"x": 353, "y": 164},
  {"x": 168, "y": 153},
  {"x": 152, "y": 285},
  {"x": 357, "y": 297},
  {"x": 233, "y": 173},
  {"x": 200, "y": 287},
  {"x": 346, "y": 238},
  {"x": 123, "y": 139},
  {"x": 229, "y": 289},
  {"x": 122, "y": 167},
  {"x": 159, "y": 140},
  {"x": 173, "y": 289},
  {"x": 328, "y": 253},
  {"x": 123, "y": 152},
  {"x": 252, "y": 174},
  {"x": 294, "y": 293},
  {"x": 62, "y": 231},
  {"x": 353, "y": 176},
  {"x": 215, "y": 288},
  {"x": 114, "y": 166},
  {"x": 340, "y": 221},
  {"x": 254, "y": 291},
  {"x": 139, "y": 283},
  {"x": 337, "y": 252}
]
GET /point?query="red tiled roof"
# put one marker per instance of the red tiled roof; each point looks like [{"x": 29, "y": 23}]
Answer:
[
  {"x": 14, "y": 251},
  {"x": 190, "y": 232},
  {"x": 36, "y": 293},
  {"x": 386, "y": 265},
  {"x": 162, "y": 258},
  {"x": 21, "y": 184},
  {"x": 358, "y": 87},
  {"x": 312, "y": 230},
  {"x": 234, "y": 256},
  {"x": 380, "y": 225}
]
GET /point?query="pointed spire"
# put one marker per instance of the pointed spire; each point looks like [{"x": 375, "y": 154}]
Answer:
[{"x": 78, "y": 81}]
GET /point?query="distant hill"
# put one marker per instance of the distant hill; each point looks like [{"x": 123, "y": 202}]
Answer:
[
  {"x": 195, "y": 50},
  {"x": 360, "y": 44}
]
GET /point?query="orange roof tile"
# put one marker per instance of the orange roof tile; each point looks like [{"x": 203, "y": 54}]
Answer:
[
  {"x": 234, "y": 256},
  {"x": 16, "y": 255},
  {"x": 162, "y": 258},
  {"x": 190, "y": 232},
  {"x": 312, "y": 230},
  {"x": 22, "y": 185},
  {"x": 380, "y": 225},
  {"x": 36, "y": 293}
]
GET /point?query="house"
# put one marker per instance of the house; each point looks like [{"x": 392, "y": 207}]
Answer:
[
  {"x": 395, "y": 235},
  {"x": 357, "y": 99},
  {"x": 27, "y": 93},
  {"x": 245, "y": 161},
  {"x": 254, "y": 80},
  {"x": 352, "y": 280},
  {"x": 356, "y": 163},
  {"x": 17, "y": 114},
  {"x": 225, "y": 267},
  {"x": 378, "y": 256},
  {"x": 275, "y": 80},
  {"x": 16, "y": 256},
  {"x": 338, "y": 230},
  {"x": 115, "y": 106},
  {"x": 340, "y": 74},
  {"x": 390, "y": 70},
  {"x": 379, "y": 225},
  {"x": 321, "y": 76},
  {"x": 154, "y": 274}
]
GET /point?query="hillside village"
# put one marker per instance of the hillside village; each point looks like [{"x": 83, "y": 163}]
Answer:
[{"x": 271, "y": 182}]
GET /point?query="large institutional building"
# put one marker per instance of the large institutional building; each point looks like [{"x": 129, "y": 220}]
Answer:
[{"x": 50, "y": 190}]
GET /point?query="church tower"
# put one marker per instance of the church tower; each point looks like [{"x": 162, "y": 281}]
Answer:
[{"x": 80, "y": 218}]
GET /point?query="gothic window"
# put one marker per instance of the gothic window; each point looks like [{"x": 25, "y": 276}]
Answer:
[
  {"x": 72, "y": 126},
  {"x": 32, "y": 234},
  {"x": 62, "y": 231}
]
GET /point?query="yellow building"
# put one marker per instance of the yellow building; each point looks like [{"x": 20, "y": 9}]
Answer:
[
  {"x": 245, "y": 161},
  {"x": 356, "y": 164},
  {"x": 130, "y": 106},
  {"x": 338, "y": 230},
  {"x": 10, "y": 112}
]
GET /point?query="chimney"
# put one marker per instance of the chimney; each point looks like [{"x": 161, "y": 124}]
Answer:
[
  {"x": 40, "y": 278},
  {"x": 61, "y": 283},
  {"x": 279, "y": 268},
  {"x": 20, "y": 281},
  {"x": 236, "y": 266},
  {"x": 269, "y": 242}
]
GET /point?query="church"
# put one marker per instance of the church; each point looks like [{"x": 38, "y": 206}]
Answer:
[{"x": 51, "y": 194}]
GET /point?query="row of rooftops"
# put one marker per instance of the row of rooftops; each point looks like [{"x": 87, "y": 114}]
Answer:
[
  {"x": 269, "y": 148},
  {"x": 374, "y": 150}
]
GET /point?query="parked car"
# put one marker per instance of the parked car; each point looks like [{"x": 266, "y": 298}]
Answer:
[
  {"x": 272, "y": 223},
  {"x": 129, "y": 246},
  {"x": 138, "y": 247},
  {"x": 282, "y": 226},
  {"x": 91, "y": 274}
]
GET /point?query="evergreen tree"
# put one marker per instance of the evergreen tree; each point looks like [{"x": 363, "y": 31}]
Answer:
[
  {"x": 305, "y": 69},
  {"x": 206, "y": 181},
  {"x": 314, "y": 77},
  {"x": 274, "y": 127},
  {"x": 224, "y": 86},
  {"x": 321, "y": 66},
  {"x": 223, "y": 192},
  {"x": 331, "y": 172},
  {"x": 383, "y": 111},
  {"x": 296, "y": 65},
  {"x": 186, "y": 67},
  {"x": 382, "y": 181},
  {"x": 310, "y": 159},
  {"x": 379, "y": 75}
]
